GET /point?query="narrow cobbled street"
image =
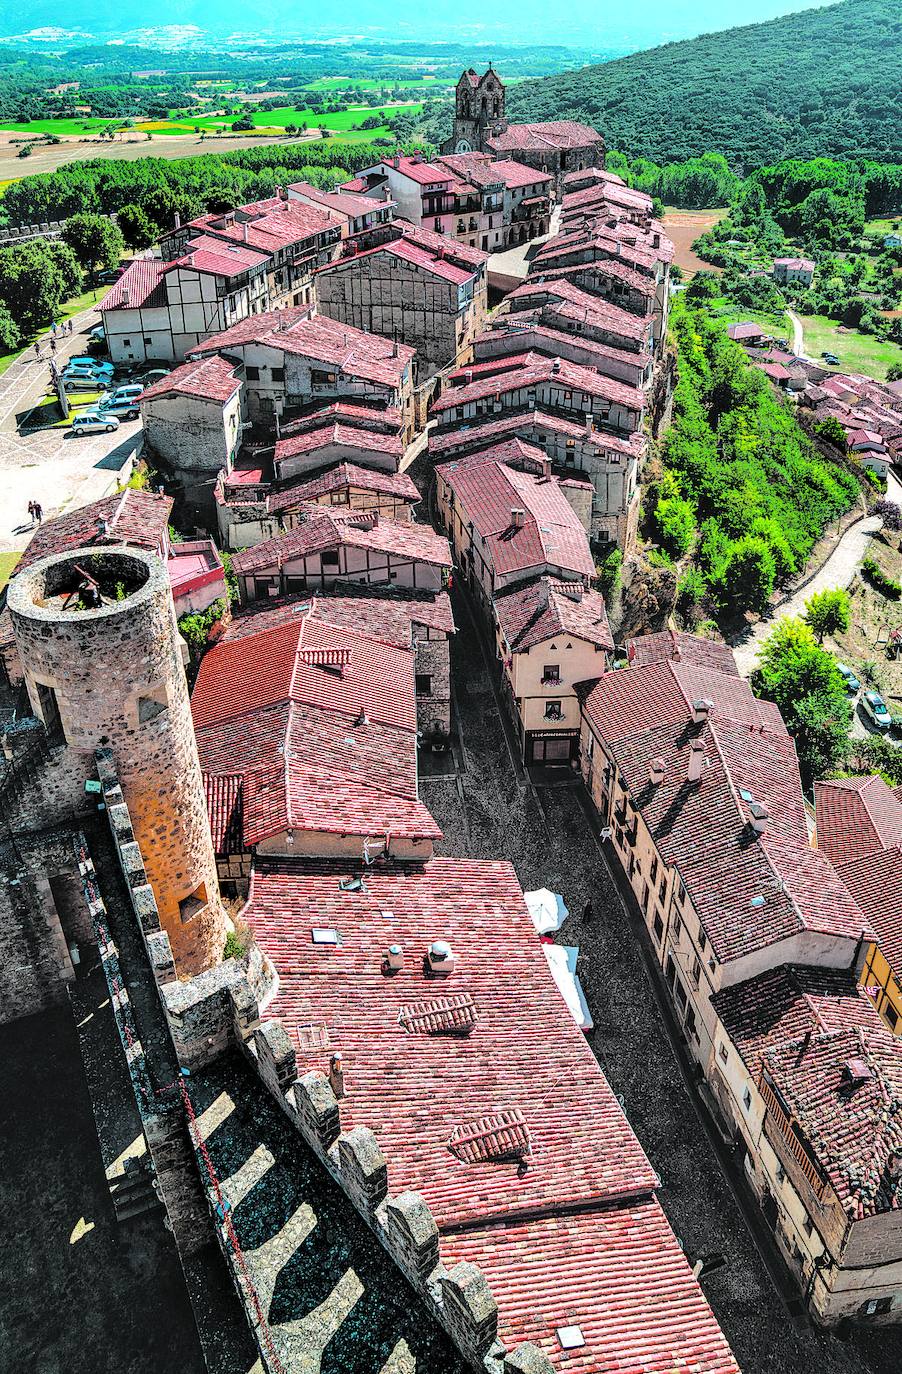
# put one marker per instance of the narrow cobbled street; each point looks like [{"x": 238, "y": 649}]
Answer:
[{"x": 490, "y": 811}]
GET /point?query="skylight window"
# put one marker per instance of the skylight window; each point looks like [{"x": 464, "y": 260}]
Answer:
[
  {"x": 570, "y": 1337},
  {"x": 325, "y": 935}
]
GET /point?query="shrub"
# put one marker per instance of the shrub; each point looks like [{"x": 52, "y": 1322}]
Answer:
[
  {"x": 890, "y": 513},
  {"x": 879, "y": 580},
  {"x": 196, "y": 625},
  {"x": 828, "y": 613},
  {"x": 675, "y": 523}
]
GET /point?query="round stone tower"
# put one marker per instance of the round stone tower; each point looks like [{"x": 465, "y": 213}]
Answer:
[{"x": 97, "y": 637}]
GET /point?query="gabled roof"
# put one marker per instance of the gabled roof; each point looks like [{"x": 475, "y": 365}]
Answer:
[
  {"x": 208, "y": 379},
  {"x": 551, "y": 535},
  {"x": 750, "y": 891},
  {"x": 549, "y": 608},
  {"x": 326, "y": 529},
  {"x": 541, "y": 369},
  {"x": 875, "y": 883},
  {"x": 856, "y": 816},
  {"x": 141, "y": 284},
  {"x": 843, "y": 1091},
  {"x": 387, "y": 616},
  {"x": 316, "y": 723},
  {"x": 413, "y": 1088},
  {"x": 139, "y": 518},
  {"x": 579, "y": 306},
  {"x": 295, "y": 330},
  {"x": 209, "y": 255},
  {"x": 542, "y": 138},
  {"x": 346, "y": 476},
  {"x": 487, "y": 430},
  {"x": 599, "y": 267},
  {"x": 675, "y": 646},
  {"x": 269, "y": 225},
  {"x": 331, "y": 433}
]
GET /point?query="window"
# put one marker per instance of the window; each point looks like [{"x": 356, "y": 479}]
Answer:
[
  {"x": 252, "y": 374},
  {"x": 676, "y": 927},
  {"x": 127, "y": 343},
  {"x": 152, "y": 705},
  {"x": 696, "y": 972},
  {"x": 329, "y": 559},
  {"x": 148, "y": 341},
  {"x": 781, "y": 1174},
  {"x": 190, "y": 906},
  {"x": 876, "y": 1307},
  {"x": 551, "y": 673},
  {"x": 662, "y": 887},
  {"x": 747, "y": 1100},
  {"x": 808, "y": 1226},
  {"x": 322, "y": 378},
  {"x": 50, "y": 714},
  {"x": 553, "y": 710},
  {"x": 278, "y": 374},
  {"x": 702, "y": 940},
  {"x": 423, "y": 684},
  {"x": 722, "y": 1053},
  {"x": 658, "y": 927},
  {"x": 654, "y": 870},
  {"x": 681, "y": 892}
]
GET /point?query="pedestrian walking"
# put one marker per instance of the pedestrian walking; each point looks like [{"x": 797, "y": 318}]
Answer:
[
  {"x": 70, "y": 326},
  {"x": 53, "y": 329},
  {"x": 53, "y": 345},
  {"x": 38, "y": 512},
  {"x": 31, "y": 511},
  {"x": 37, "y": 350}
]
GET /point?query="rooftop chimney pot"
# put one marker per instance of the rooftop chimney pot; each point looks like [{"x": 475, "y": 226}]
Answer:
[
  {"x": 696, "y": 761},
  {"x": 336, "y": 1075}
]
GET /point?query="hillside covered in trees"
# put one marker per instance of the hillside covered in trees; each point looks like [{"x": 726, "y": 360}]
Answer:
[{"x": 823, "y": 82}]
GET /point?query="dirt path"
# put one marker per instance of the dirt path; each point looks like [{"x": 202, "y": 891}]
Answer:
[
  {"x": 837, "y": 571},
  {"x": 684, "y": 227},
  {"x": 798, "y": 334}
]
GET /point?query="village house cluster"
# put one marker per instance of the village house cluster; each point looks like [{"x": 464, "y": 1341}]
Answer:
[{"x": 868, "y": 412}]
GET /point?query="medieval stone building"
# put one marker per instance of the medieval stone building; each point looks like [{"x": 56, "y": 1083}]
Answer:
[{"x": 557, "y": 147}]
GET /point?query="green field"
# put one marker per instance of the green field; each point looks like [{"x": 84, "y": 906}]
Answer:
[
  {"x": 340, "y": 83},
  {"x": 856, "y": 352},
  {"x": 264, "y": 120},
  {"x": 778, "y": 326},
  {"x": 8, "y": 561},
  {"x": 59, "y": 126}
]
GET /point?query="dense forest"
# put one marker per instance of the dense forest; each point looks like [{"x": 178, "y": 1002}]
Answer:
[{"x": 823, "y": 82}]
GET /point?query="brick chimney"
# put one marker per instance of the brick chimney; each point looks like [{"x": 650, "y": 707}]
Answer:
[
  {"x": 518, "y": 518},
  {"x": 696, "y": 761}
]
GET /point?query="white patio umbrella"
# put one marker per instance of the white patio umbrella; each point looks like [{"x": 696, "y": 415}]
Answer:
[{"x": 546, "y": 909}]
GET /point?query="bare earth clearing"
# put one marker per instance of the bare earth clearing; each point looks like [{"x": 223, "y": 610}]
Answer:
[{"x": 684, "y": 227}]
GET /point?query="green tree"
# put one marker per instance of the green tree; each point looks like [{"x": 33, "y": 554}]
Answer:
[
  {"x": 748, "y": 575},
  {"x": 675, "y": 522},
  {"x": 138, "y": 230},
  {"x": 804, "y": 681},
  {"x": 72, "y": 278},
  {"x": 10, "y": 338},
  {"x": 95, "y": 241},
  {"x": 828, "y": 613},
  {"x": 31, "y": 285}
]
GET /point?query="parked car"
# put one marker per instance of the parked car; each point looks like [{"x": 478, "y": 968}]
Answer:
[
  {"x": 876, "y": 710},
  {"x": 83, "y": 360},
  {"x": 90, "y": 369},
  {"x": 156, "y": 374},
  {"x": 84, "y": 381},
  {"x": 852, "y": 684},
  {"x": 92, "y": 423},
  {"x": 98, "y": 332},
  {"x": 125, "y": 402},
  {"x": 831, "y": 359},
  {"x": 110, "y": 274}
]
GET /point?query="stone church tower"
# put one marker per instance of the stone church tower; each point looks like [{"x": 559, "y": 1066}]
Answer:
[
  {"x": 479, "y": 109},
  {"x": 99, "y": 645}
]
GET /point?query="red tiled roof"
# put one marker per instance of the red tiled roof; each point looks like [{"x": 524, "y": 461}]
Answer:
[
  {"x": 223, "y": 793},
  {"x": 843, "y": 1088},
  {"x": 343, "y": 201},
  {"x": 271, "y": 225},
  {"x": 140, "y": 518},
  {"x": 141, "y": 284},
  {"x": 677, "y": 647},
  {"x": 618, "y": 1275},
  {"x": 415, "y": 1090},
  {"x": 329, "y": 433},
  {"x": 551, "y": 536},
  {"x": 211, "y": 379},
  {"x": 487, "y": 430},
  {"x": 601, "y": 267},
  {"x": 415, "y": 254},
  {"x": 208, "y": 255},
  {"x": 702, "y": 828},
  {"x": 784, "y": 1004},
  {"x": 536, "y": 335},
  {"x": 419, "y": 170},
  {"x": 440, "y": 243},
  {"x": 388, "y": 617},
  {"x": 317, "y": 748},
  {"x": 327, "y": 530},
  {"x": 345, "y": 475},
  {"x": 542, "y": 138},
  {"x": 352, "y": 352},
  {"x": 856, "y": 816},
  {"x": 746, "y": 330},
  {"x": 580, "y": 305},
  {"x": 556, "y": 371},
  {"x": 875, "y": 882},
  {"x": 539, "y": 611},
  {"x": 602, "y": 241}
]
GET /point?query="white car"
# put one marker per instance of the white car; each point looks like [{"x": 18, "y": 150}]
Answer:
[
  {"x": 92, "y": 423},
  {"x": 875, "y": 708}
]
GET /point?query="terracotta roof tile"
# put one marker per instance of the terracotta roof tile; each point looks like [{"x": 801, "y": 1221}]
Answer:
[
  {"x": 213, "y": 379},
  {"x": 556, "y": 371},
  {"x": 540, "y": 610},
  {"x": 487, "y": 431},
  {"x": 344, "y": 476},
  {"x": 875, "y": 882},
  {"x": 856, "y": 816},
  {"x": 676, "y": 646},
  {"x": 542, "y": 138},
  {"x": 579, "y": 305},
  {"x": 325, "y": 529},
  {"x": 141, "y": 284},
  {"x": 140, "y": 518}
]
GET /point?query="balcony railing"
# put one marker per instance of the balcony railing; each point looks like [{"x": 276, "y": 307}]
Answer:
[{"x": 790, "y": 1138}]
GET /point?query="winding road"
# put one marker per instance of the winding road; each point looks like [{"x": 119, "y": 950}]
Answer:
[{"x": 837, "y": 571}]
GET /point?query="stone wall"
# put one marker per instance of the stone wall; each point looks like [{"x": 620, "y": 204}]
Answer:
[
  {"x": 114, "y": 675},
  {"x": 35, "y": 964}
]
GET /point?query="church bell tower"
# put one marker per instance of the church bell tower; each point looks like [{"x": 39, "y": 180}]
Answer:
[{"x": 479, "y": 109}]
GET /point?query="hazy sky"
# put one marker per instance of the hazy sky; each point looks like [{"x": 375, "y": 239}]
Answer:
[{"x": 594, "y": 24}]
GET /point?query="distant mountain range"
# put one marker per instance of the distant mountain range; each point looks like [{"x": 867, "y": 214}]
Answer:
[{"x": 823, "y": 82}]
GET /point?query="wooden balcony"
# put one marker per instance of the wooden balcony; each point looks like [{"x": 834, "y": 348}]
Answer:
[{"x": 789, "y": 1134}]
